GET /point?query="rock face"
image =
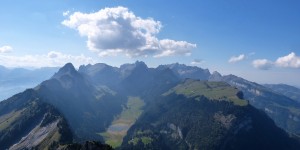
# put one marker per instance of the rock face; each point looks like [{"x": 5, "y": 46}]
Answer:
[
  {"x": 36, "y": 136},
  {"x": 216, "y": 76},
  {"x": 27, "y": 122}
]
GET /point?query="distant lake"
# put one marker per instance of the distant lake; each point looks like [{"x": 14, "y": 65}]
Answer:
[
  {"x": 7, "y": 91},
  {"x": 118, "y": 127}
]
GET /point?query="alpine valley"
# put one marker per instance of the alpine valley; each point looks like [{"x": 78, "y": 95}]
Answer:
[{"x": 136, "y": 107}]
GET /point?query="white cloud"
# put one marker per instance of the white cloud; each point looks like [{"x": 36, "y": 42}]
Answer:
[
  {"x": 51, "y": 59},
  {"x": 6, "y": 49},
  {"x": 263, "y": 64},
  {"x": 235, "y": 59},
  {"x": 115, "y": 31},
  {"x": 66, "y": 13},
  {"x": 291, "y": 60},
  {"x": 171, "y": 48}
]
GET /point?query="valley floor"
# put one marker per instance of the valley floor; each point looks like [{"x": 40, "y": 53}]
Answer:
[{"x": 119, "y": 127}]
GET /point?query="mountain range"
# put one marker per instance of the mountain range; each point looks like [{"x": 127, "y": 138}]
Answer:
[
  {"x": 286, "y": 90},
  {"x": 136, "y": 107}
]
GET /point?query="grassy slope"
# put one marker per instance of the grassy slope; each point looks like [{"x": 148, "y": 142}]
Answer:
[
  {"x": 6, "y": 120},
  {"x": 211, "y": 90},
  {"x": 128, "y": 116}
]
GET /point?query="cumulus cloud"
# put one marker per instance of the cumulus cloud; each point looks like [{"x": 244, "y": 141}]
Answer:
[
  {"x": 291, "y": 60},
  {"x": 6, "y": 49},
  {"x": 51, "y": 59},
  {"x": 115, "y": 31},
  {"x": 235, "y": 59},
  {"x": 171, "y": 48},
  {"x": 262, "y": 64}
]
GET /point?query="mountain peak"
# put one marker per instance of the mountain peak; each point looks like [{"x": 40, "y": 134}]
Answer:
[
  {"x": 134, "y": 66},
  {"x": 216, "y": 73},
  {"x": 68, "y": 66},
  {"x": 176, "y": 65},
  {"x": 93, "y": 69},
  {"x": 141, "y": 64},
  {"x": 215, "y": 76},
  {"x": 66, "y": 69}
]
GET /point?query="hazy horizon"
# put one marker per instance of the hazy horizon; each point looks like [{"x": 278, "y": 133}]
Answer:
[{"x": 211, "y": 71}]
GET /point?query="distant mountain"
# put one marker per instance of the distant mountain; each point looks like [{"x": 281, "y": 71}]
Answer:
[
  {"x": 13, "y": 81},
  {"x": 101, "y": 74},
  {"x": 131, "y": 79},
  {"x": 184, "y": 71},
  {"x": 137, "y": 107},
  {"x": 286, "y": 90}
]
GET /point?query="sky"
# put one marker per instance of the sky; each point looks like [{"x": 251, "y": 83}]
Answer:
[{"x": 258, "y": 40}]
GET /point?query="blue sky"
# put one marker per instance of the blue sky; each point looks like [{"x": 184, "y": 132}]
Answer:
[{"x": 258, "y": 39}]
